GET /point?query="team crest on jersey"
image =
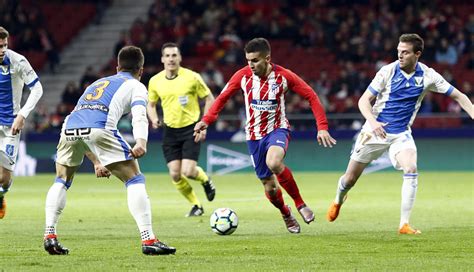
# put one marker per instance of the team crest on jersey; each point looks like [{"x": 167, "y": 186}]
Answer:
[
  {"x": 418, "y": 81},
  {"x": 5, "y": 70}
]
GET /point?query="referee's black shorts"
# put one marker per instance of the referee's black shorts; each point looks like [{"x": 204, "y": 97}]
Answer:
[{"x": 178, "y": 144}]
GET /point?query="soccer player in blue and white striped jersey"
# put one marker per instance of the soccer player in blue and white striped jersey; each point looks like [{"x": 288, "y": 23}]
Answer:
[
  {"x": 398, "y": 89},
  {"x": 15, "y": 72},
  {"x": 92, "y": 128}
]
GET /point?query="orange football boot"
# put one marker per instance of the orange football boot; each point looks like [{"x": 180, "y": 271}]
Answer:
[
  {"x": 333, "y": 210},
  {"x": 406, "y": 229}
]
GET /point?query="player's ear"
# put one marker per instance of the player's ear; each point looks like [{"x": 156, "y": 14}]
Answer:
[
  {"x": 118, "y": 68},
  {"x": 268, "y": 58}
]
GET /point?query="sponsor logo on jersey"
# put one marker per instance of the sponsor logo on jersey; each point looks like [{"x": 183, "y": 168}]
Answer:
[
  {"x": 264, "y": 105},
  {"x": 99, "y": 107}
]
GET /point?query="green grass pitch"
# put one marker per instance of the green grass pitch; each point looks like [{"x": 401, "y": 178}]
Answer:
[{"x": 102, "y": 236}]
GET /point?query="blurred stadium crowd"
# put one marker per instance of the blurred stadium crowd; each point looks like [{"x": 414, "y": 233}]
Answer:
[{"x": 336, "y": 46}]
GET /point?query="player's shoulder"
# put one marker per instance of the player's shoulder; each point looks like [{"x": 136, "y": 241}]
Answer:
[
  {"x": 280, "y": 70},
  {"x": 15, "y": 57},
  {"x": 244, "y": 71},
  {"x": 428, "y": 71}
]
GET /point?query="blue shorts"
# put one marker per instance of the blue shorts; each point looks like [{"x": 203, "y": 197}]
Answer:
[{"x": 258, "y": 150}]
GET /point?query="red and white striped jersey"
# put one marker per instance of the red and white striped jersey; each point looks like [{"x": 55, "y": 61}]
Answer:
[{"x": 265, "y": 100}]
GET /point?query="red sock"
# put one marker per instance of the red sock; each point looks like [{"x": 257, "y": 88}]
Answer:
[
  {"x": 149, "y": 242},
  {"x": 288, "y": 183},
  {"x": 278, "y": 202}
]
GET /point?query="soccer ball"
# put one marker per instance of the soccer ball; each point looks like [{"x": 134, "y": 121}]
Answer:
[{"x": 224, "y": 221}]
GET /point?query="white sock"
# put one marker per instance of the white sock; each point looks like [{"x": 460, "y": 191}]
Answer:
[
  {"x": 342, "y": 189},
  {"x": 55, "y": 203},
  {"x": 140, "y": 208},
  {"x": 409, "y": 187}
]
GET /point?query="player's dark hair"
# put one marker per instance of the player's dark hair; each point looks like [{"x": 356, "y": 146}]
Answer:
[
  {"x": 415, "y": 40},
  {"x": 131, "y": 59},
  {"x": 3, "y": 33},
  {"x": 169, "y": 45},
  {"x": 260, "y": 45}
]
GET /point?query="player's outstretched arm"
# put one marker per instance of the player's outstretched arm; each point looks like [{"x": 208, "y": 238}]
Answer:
[{"x": 463, "y": 101}]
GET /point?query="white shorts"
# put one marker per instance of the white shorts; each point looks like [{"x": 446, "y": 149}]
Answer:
[
  {"x": 107, "y": 145},
  {"x": 368, "y": 147},
  {"x": 9, "y": 145}
]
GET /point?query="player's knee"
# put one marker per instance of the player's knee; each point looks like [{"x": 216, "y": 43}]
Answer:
[
  {"x": 5, "y": 178},
  {"x": 188, "y": 173},
  {"x": 175, "y": 175},
  {"x": 275, "y": 165}
]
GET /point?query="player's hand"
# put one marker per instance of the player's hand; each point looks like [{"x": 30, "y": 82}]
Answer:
[
  {"x": 101, "y": 171},
  {"x": 378, "y": 130},
  {"x": 18, "y": 124},
  {"x": 139, "y": 150},
  {"x": 156, "y": 123},
  {"x": 325, "y": 139},
  {"x": 199, "y": 128},
  {"x": 200, "y": 136}
]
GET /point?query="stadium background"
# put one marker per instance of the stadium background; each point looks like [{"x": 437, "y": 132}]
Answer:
[{"x": 336, "y": 46}]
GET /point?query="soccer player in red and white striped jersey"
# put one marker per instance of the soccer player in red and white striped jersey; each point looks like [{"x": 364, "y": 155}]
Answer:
[{"x": 264, "y": 85}]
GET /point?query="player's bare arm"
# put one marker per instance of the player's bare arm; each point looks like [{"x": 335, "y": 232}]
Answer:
[
  {"x": 463, "y": 101},
  {"x": 153, "y": 115},
  {"x": 365, "y": 108},
  {"x": 139, "y": 149},
  {"x": 100, "y": 170},
  {"x": 18, "y": 124},
  {"x": 200, "y": 131}
]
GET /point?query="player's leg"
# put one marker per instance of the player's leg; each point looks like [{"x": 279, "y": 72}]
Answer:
[
  {"x": 139, "y": 205},
  {"x": 345, "y": 183},
  {"x": 366, "y": 149},
  {"x": 277, "y": 144},
  {"x": 189, "y": 165},
  {"x": 55, "y": 204},
  {"x": 69, "y": 157},
  {"x": 274, "y": 195},
  {"x": 5, "y": 184},
  {"x": 407, "y": 160},
  {"x": 9, "y": 145}
]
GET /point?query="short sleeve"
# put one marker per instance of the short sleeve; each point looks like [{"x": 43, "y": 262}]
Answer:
[
  {"x": 438, "y": 83},
  {"x": 380, "y": 80},
  {"x": 152, "y": 90},
  {"x": 201, "y": 88},
  {"x": 28, "y": 75}
]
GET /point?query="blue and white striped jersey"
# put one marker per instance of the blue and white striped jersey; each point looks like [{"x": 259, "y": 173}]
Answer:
[
  {"x": 15, "y": 72},
  {"x": 105, "y": 101},
  {"x": 399, "y": 95}
]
